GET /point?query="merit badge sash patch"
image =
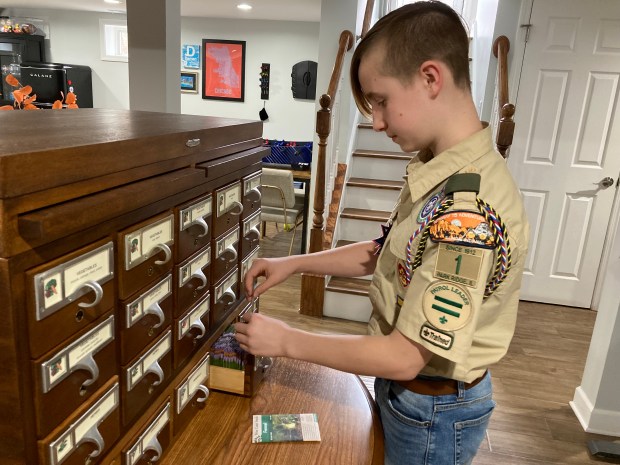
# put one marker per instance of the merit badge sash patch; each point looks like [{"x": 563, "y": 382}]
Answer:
[
  {"x": 447, "y": 306},
  {"x": 462, "y": 227},
  {"x": 436, "y": 337}
]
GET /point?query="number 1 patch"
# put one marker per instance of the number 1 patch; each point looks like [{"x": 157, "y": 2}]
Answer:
[{"x": 459, "y": 264}]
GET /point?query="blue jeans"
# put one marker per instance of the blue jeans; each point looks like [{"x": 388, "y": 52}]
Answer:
[{"x": 433, "y": 430}]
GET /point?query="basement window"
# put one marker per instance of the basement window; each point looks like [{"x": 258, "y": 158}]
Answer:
[{"x": 113, "y": 40}]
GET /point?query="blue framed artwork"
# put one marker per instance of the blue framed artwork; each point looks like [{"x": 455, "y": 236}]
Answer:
[
  {"x": 190, "y": 56},
  {"x": 189, "y": 82}
]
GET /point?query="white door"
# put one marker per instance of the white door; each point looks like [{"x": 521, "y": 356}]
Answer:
[{"x": 566, "y": 150}]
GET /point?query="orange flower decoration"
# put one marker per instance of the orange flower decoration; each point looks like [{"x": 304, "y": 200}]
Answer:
[{"x": 24, "y": 101}]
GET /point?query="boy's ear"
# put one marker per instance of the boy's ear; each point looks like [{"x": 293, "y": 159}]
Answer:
[{"x": 433, "y": 76}]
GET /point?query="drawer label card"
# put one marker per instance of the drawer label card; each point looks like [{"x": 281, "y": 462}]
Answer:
[
  {"x": 200, "y": 310},
  {"x": 77, "y": 356},
  {"x": 252, "y": 224},
  {"x": 190, "y": 214},
  {"x": 247, "y": 263},
  {"x": 140, "y": 244},
  {"x": 188, "y": 389},
  {"x": 148, "y": 361},
  {"x": 227, "y": 242},
  {"x": 188, "y": 271},
  {"x": 65, "y": 283},
  {"x": 137, "y": 309},
  {"x": 85, "y": 428},
  {"x": 226, "y": 286},
  {"x": 251, "y": 183},
  {"x": 148, "y": 440},
  {"x": 226, "y": 200}
]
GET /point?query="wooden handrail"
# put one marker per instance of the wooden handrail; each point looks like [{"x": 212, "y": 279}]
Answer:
[
  {"x": 506, "y": 126},
  {"x": 370, "y": 5},
  {"x": 313, "y": 286}
]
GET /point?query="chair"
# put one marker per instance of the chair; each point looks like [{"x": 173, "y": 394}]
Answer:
[{"x": 279, "y": 202}]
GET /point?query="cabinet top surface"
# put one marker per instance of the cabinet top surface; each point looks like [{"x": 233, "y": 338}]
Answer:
[{"x": 47, "y": 130}]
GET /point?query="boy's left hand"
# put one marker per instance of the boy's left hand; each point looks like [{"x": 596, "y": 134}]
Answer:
[{"x": 260, "y": 335}]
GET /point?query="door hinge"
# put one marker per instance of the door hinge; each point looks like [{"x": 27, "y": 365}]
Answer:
[{"x": 527, "y": 30}]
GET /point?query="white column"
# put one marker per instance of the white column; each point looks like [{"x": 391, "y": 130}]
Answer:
[
  {"x": 597, "y": 400},
  {"x": 154, "y": 28}
]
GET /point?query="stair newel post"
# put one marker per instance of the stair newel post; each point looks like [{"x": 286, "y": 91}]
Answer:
[{"x": 313, "y": 286}]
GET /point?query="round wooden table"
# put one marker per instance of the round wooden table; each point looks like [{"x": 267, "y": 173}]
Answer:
[{"x": 221, "y": 433}]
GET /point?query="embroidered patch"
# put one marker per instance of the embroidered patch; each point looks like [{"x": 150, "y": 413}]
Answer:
[
  {"x": 459, "y": 264},
  {"x": 399, "y": 301},
  {"x": 461, "y": 227},
  {"x": 402, "y": 274},
  {"x": 436, "y": 337},
  {"x": 447, "y": 306},
  {"x": 427, "y": 209}
]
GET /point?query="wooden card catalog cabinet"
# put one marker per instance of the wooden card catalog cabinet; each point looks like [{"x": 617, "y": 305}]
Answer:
[
  {"x": 110, "y": 262},
  {"x": 250, "y": 232}
]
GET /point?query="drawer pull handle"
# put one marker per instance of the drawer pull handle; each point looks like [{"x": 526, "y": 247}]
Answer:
[
  {"x": 200, "y": 275},
  {"x": 87, "y": 363},
  {"x": 237, "y": 204},
  {"x": 203, "y": 224},
  {"x": 155, "y": 309},
  {"x": 254, "y": 231},
  {"x": 166, "y": 250},
  {"x": 97, "y": 289},
  {"x": 156, "y": 370},
  {"x": 93, "y": 435},
  {"x": 192, "y": 142},
  {"x": 200, "y": 325},
  {"x": 230, "y": 293},
  {"x": 232, "y": 251},
  {"x": 257, "y": 192},
  {"x": 154, "y": 446},
  {"x": 263, "y": 363},
  {"x": 205, "y": 391}
]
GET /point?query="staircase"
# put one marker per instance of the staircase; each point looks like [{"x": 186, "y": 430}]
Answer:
[{"x": 375, "y": 177}]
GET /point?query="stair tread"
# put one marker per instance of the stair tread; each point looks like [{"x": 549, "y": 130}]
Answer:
[
  {"x": 365, "y": 214},
  {"x": 375, "y": 183},
  {"x": 355, "y": 286},
  {"x": 343, "y": 242},
  {"x": 382, "y": 154}
]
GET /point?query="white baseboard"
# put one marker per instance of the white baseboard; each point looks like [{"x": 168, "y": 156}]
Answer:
[{"x": 597, "y": 421}]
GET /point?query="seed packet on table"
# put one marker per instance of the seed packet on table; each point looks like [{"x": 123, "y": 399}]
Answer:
[{"x": 286, "y": 427}]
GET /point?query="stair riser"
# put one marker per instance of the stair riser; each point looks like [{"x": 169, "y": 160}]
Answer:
[
  {"x": 370, "y": 198},
  {"x": 367, "y": 139},
  {"x": 378, "y": 168},
  {"x": 347, "y": 306},
  {"x": 358, "y": 230}
]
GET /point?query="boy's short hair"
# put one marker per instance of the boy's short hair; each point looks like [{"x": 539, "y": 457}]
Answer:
[{"x": 410, "y": 35}]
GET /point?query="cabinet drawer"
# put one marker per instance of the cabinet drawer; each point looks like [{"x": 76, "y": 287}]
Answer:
[
  {"x": 190, "y": 395},
  {"x": 194, "y": 226},
  {"x": 65, "y": 378},
  {"x": 67, "y": 294},
  {"x": 192, "y": 279},
  {"x": 246, "y": 264},
  {"x": 88, "y": 434},
  {"x": 227, "y": 207},
  {"x": 251, "y": 193},
  {"x": 191, "y": 331},
  {"x": 225, "y": 297},
  {"x": 144, "y": 378},
  {"x": 143, "y": 318},
  {"x": 225, "y": 253},
  {"x": 144, "y": 253},
  {"x": 250, "y": 234},
  {"x": 153, "y": 440}
]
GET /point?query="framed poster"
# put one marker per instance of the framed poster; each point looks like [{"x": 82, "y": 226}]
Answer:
[
  {"x": 223, "y": 69},
  {"x": 190, "y": 56},
  {"x": 189, "y": 82}
]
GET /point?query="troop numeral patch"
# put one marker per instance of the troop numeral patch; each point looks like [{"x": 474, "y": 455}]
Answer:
[
  {"x": 436, "y": 337},
  {"x": 459, "y": 264}
]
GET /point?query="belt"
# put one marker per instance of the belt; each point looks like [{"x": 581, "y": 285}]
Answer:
[{"x": 436, "y": 387}]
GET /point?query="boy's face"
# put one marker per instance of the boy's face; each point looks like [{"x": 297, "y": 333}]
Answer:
[{"x": 402, "y": 111}]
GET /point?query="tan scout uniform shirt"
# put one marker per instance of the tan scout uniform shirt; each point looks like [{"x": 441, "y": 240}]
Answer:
[{"x": 475, "y": 334}]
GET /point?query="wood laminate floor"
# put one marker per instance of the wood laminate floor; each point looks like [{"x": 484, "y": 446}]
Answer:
[{"x": 533, "y": 423}]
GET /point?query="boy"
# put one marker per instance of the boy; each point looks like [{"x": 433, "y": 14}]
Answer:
[{"x": 447, "y": 271}]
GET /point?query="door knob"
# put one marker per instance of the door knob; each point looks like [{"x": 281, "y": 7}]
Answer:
[{"x": 606, "y": 182}]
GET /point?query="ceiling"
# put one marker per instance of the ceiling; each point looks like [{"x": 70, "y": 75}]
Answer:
[{"x": 283, "y": 10}]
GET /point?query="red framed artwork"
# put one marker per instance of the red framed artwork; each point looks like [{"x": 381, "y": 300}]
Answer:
[{"x": 223, "y": 69}]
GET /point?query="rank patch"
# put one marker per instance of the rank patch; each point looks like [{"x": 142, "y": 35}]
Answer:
[
  {"x": 459, "y": 264},
  {"x": 436, "y": 337},
  {"x": 447, "y": 306},
  {"x": 462, "y": 227}
]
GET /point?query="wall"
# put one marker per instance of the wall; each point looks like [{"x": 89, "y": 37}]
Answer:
[{"x": 74, "y": 39}]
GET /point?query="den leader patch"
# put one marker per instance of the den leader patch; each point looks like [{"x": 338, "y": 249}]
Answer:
[
  {"x": 447, "y": 306},
  {"x": 463, "y": 227}
]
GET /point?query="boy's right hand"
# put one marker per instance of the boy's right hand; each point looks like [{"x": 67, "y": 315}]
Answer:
[{"x": 275, "y": 270}]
